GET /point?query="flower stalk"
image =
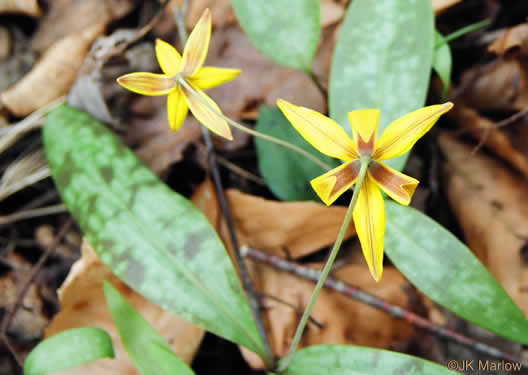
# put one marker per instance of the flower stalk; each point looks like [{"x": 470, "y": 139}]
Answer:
[
  {"x": 255, "y": 133},
  {"x": 365, "y": 161}
]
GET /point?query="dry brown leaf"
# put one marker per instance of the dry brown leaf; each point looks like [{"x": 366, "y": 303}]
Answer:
[
  {"x": 510, "y": 147},
  {"x": 27, "y": 7},
  {"x": 66, "y": 17},
  {"x": 5, "y": 43},
  {"x": 490, "y": 204},
  {"x": 52, "y": 76},
  {"x": 30, "y": 319},
  {"x": 287, "y": 229},
  {"x": 441, "y": 5},
  {"x": 153, "y": 140},
  {"x": 232, "y": 48},
  {"x": 83, "y": 304},
  {"x": 295, "y": 229},
  {"x": 221, "y": 12},
  {"x": 331, "y": 12},
  {"x": 323, "y": 59},
  {"x": 344, "y": 320},
  {"x": 501, "y": 85},
  {"x": 514, "y": 38}
]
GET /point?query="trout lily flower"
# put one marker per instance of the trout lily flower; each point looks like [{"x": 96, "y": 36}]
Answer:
[
  {"x": 184, "y": 80},
  {"x": 330, "y": 139}
]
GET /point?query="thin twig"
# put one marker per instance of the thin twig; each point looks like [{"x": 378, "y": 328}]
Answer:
[
  {"x": 240, "y": 171},
  {"x": 8, "y": 317},
  {"x": 254, "y": 302},
  {"x": 376, "y": 302},
  {"x": 235, "y": 168},
  {"x": 36, "y": 212},
  {"x": 299, "y": 312},
  {"x": 11, "y": 133}
]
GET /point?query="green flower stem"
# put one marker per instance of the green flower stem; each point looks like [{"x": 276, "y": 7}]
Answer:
[
  {"x": 328, "y": 266},
  {"x": 253, "y": 132}
]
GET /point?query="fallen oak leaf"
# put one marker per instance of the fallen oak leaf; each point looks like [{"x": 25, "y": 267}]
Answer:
[{"x": 83, "y": 304}]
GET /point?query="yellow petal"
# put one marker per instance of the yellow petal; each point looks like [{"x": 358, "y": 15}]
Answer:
[
  {"x": 177, "y": 108},
  {"x": 209, "y": 77},
  {"x": 365, "y": 129},
  {"x": 195, "y": 50},
  {"x": 332, "y": 184},
  {"x": 196, "y": 100},
  {"x": 168, "y": 58},
  {"x": 396, "y": 185},
  {"x": 369, "y": 219},
  {"x": 147, "y": 83},
  {"x": 323, "y": 133},
  {"x": 402, "y": 134}
]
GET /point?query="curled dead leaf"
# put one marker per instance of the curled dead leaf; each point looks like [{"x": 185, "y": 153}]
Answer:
[
  {"x": 52, "y": 76},
  {"x": 67, "y": 17},
  {"x": 342, "y": 320},
  {"x": 287, "y": 229},
  {"x": 83, "y": 304},
  {"x": 501, "y": 85},
  {"x": 515, "y": 38},
  {"x": 27, "y": 7},
  {"x": 490, "y": 204}
]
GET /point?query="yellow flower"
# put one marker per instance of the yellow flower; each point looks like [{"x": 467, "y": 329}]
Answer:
[
  {"x": 182, "y": 74},
  {"x": 399, "y": 137}
]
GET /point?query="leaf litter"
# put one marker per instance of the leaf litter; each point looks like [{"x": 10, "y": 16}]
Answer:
[{"x": 484, "y": 192}]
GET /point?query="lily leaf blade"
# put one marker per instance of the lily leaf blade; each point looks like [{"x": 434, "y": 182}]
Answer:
[
  {"x": 446, "y": 271},
  {"x": 152, "y": 238}
]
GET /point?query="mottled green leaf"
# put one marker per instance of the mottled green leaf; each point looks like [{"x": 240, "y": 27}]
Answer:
[
  {"x": 442, "y": 62},
  {"x": 287, "y": 173},
  {"x": 383, "y": 60},
  {"x": 155, "y": 240},
  {"x": 286, "y": 31},
  {"x": 357, "y": 360},
  {"x": 69, "y": 349},
  {"x": 145, "y": 346},
  {"x": 445, "y": 270}
]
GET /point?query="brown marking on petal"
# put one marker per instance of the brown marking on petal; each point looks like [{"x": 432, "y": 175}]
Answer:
[
  {"x": 366, "y": 147},
  {"x": 345, "y": 176},
  {"x": 397, "y": 184}
]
